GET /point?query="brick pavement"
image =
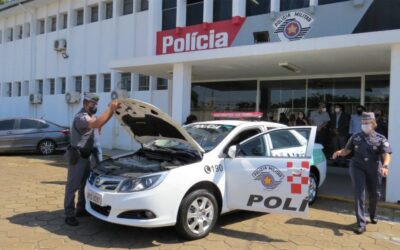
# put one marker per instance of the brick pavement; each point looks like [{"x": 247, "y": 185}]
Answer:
[{"x": 31, "y": 217}]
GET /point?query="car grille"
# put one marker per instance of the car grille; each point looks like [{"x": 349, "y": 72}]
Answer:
[
  {"x": 101, "y": 210},
  {"x": 103, "y": 182}
]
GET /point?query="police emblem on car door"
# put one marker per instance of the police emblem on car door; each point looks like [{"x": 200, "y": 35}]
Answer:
[{"x": 270, "y": 171}]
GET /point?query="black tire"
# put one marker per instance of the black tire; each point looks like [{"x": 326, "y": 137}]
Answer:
[
  {"x": 313, "y": 189},
  {"x": 207, "y": 215},
  {"x": 46, "y": 147}
]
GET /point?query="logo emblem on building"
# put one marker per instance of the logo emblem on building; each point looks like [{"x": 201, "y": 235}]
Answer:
[
  {"x": 269, "y": 176},
  {"x": 293, "y": 25},
  {"x": 298, "y": 177}
]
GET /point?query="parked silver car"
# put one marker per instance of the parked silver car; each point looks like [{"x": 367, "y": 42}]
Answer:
[{"x": 26, "y": 134}]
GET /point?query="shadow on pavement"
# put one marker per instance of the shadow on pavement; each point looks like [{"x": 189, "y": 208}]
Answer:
[
  {"x": 61, "y": 183},
  {"x": 335, "y": 227},
  {"x": 97, "y": 233}
]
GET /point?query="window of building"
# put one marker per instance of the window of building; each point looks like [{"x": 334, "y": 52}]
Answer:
[
  {"x": 168, "y": 14},
  {"x": 92, "y": 83},
  {"x": 294, "y": 4},
  {"x": 109, "y": 10},
  {"x": 127, "y": 7},
  {"x": 222, "y": 10},
  {"x": 162, "y": 84},
  {"x": 78, "y": 17},
  {"x": 144, "y": 83},
  {"x": 39, "y": 87},
  {"x": 9, "y": 35},
  {"x": 78, "y": 84},
  {"x": 194, "y": 12},
  {"x": 52, "y": 23},
  {"x": 258, "y": 7},
  {"x": 106, "y": 82},
  {"x": 142, "y": 5},
  {"x": 27, "y": 30},
  {"x": 208, "y": 97},
  {"x": 18, "y": 32},
  {"x": 62, "y": 85},
  {"x": 94, "y": 13},
  {"x": 52, "y": 86},
  {"x": 63, "y": 21},
  {"x": 125, "y": 81},
  {"x": 322, "y": 2},
  {"x": 25, "y": 88},
  {"x": 40, "y": 26},
  {"x": 19, "y": 88},
  {"x": 261, "y": 36},
  {"x": 377, "y": 93},
  {"x": 8, "y": 89}
]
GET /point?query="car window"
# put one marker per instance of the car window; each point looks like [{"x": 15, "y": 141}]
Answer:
[
  {"x": 288, "y": 143},
  {"x": 241, "y": 137},
  {"x": 7, "y": 124},
  {"x": 208, "y": 136},
  {"x": 253, "y": 148},
  {"x": 28, "y": 124}
]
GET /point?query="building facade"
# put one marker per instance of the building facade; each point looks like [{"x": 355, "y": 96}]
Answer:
[{"x": 201, "y": 56}]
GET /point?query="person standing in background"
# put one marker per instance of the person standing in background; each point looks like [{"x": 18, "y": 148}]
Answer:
[
  {"x": 292, "y": 120},
  {"x": 355, "y": 121},
  {"x": 339, "y": 127},
  {"x": 301, "y": 119},
  {"x": 320, "y": 118},
  {"x": 382, "y": 127},
  {"x": 283, "y": 119}
]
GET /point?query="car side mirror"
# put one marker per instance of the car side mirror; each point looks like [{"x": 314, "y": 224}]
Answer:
[{"x": 232, "y": 151}]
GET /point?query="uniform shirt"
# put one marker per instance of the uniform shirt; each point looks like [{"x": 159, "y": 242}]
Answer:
[
  {"x": 355, "y": 124},
  {"x": 368, "y": 148},
  {"x": 319, "y": 118},
  {"x": 81, "y": 134}
]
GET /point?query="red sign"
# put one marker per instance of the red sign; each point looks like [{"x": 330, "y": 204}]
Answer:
[
  {"x": 237, "y": 114},
  {"x": 198, "y": 37},
  {"x": 297, "y": 179}
]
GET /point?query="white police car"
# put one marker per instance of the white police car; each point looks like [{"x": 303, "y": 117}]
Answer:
[{"x": 188, "y": 177}]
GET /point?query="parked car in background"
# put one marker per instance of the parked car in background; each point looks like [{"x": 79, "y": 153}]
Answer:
[{"x": 27, "y": 134}]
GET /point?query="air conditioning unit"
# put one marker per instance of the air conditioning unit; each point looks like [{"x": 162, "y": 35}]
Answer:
[
  {"x": 60, "y": 45},
  {"x": 119, "y": 94},
  {"x": 73, "y": 97},
  {"x": 35, "y": 98}
]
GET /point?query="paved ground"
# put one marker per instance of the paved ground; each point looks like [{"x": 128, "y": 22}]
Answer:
[{"x": 31, "y": 217}]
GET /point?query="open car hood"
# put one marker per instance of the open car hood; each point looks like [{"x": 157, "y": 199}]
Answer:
[{"x": 146, "y": 123}]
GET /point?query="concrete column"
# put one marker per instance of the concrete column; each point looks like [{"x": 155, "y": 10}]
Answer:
[
  {"x": 239, "y": 8},
  {"x": 393, "y": 184},
  {"x": 181, "y": 91},
  {"x": 181, "y": 13},
  {"x": 275, "y": 8},
  {"x": 208, "y": 14},
  {"x": 313, "y": 2},
  {"x": 155, "y": 24}
]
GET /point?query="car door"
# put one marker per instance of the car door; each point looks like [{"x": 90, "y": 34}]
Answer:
[
  {"x": 259, "y": 179},
  {"x": 6, "y": 134},
  {"x": 26, "y": 134}
]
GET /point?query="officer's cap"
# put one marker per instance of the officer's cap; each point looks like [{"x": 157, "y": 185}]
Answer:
[
  {"x": 368, "y": 116},
  {"x": 91, "y": 97}
]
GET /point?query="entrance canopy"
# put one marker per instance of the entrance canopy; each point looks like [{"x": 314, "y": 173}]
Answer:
[{"x": 367, "y": 52}]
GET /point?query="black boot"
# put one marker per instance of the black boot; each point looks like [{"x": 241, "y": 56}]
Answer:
[
  {"x": 72, "y": 221},
  {"x": 359, "y": 229},
  {"x": 374, "y": 220}
]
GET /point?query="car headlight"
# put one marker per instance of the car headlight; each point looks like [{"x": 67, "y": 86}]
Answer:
[{"x": 141, "y": 183}]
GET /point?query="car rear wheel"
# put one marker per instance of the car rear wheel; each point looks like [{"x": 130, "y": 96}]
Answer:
[
  {"x": 46, "y": 147},
  {"x": 312, "y": 189},
  {"x": 197, "y": 215}
]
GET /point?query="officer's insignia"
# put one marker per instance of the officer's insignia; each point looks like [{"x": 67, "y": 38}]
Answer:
[
  {"x": 386, "y": 144},
  {"x": 293, "y": 25},
  {"x": 269, "y": 176},
  {"x": 375, "y": 147},
  {"x": 357, "y": 138},
  {"x": 356, "y": 146}
]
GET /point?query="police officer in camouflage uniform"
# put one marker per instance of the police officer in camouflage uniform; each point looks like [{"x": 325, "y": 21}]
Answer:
[
  {"x": 369, "y": 163},
  {"x": 79, "y": 153}
]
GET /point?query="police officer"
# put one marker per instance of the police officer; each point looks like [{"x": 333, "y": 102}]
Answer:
[
  {"x": 366, "y": 168},
  {"x": 78, "y": 154}
]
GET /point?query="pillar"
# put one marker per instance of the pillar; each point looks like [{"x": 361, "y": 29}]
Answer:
[
  {"x": 181, "y": 91},
  {"x": 208, "y": 14},
  {"x": 393, "y": 184},
  {"x": 181, "y": 13},
  {"x": 239, "y": 8}
]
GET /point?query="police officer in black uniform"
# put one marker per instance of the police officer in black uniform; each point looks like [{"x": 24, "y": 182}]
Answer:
[
  {"x": 369, "y": 163},
  {"x": 79, "y": 153}
]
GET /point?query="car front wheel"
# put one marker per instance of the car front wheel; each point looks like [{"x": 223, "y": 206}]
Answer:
[
  {"x": 312, "y": 189},
  {"x": 46, "y": 147},
  {"x": 197, "y": 215}
]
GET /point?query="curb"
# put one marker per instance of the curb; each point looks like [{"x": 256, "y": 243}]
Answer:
[{"x": 381, "y": 204}]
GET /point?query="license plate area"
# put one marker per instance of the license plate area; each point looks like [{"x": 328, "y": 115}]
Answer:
[{"x": 95, "y": 198}]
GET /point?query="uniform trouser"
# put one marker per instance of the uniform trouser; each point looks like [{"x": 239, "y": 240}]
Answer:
[
  {"x": 77, "y": 176},
  {"x": 365, "y": 177}
]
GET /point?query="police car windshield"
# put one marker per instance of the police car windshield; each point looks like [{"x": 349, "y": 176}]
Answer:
[{"x": 208, "y": 136}]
